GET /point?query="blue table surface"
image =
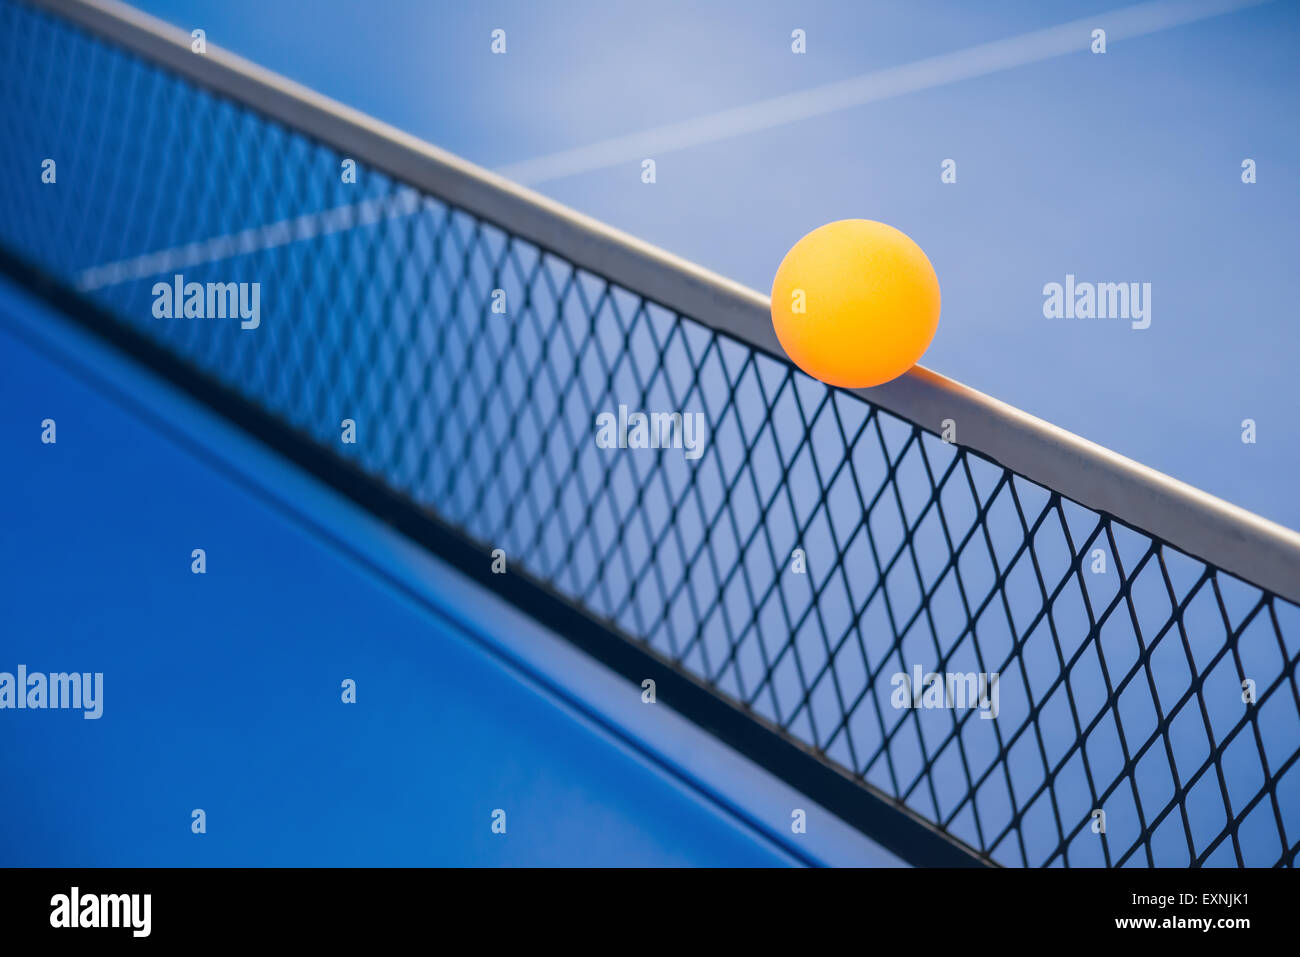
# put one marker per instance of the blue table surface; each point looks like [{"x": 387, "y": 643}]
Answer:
[{"x": 222, "y": 691}]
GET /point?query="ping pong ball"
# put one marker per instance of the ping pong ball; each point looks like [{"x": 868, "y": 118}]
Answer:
[{"x": 855, "y": 303}]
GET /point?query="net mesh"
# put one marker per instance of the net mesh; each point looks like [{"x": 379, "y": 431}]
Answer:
[{"x": 804, "y": 552}]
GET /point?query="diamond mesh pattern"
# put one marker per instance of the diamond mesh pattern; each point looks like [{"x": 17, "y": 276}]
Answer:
[{"x": 1120, "y": 688}]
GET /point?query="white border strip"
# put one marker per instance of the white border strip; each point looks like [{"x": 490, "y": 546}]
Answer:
[
  {"x": 982, "y": 60},
  {"x": 976, "y": 61},
  {"x": 1238, "y": 541}
]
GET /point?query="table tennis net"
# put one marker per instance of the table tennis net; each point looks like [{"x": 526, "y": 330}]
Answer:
[{"x": 817, "y": 548}]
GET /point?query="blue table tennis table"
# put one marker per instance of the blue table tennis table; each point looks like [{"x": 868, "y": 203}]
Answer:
[
  {"x": 223, "y": 691},
  {"x": 188, "y": 514}
]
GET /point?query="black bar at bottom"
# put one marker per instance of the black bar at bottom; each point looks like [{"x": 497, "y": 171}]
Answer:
[{"x": 945, "y": 911}]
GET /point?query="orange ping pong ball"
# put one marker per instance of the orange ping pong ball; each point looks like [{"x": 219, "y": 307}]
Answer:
[{"x": 855, "y": 303}]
